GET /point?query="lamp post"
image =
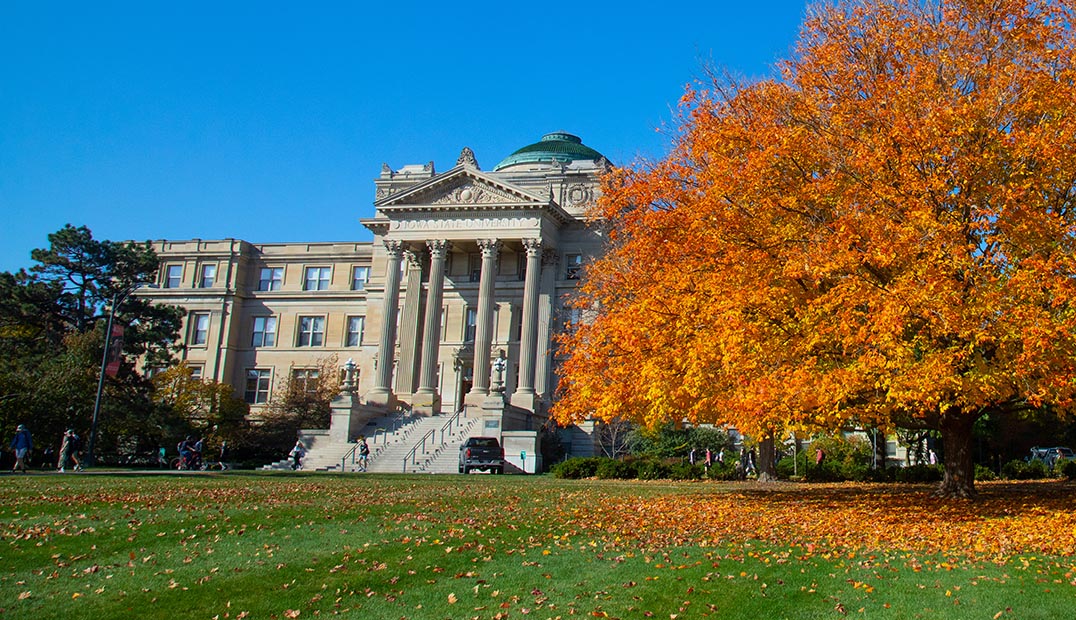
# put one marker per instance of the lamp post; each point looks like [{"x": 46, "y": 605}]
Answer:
[{"x": 118, "y": 298}]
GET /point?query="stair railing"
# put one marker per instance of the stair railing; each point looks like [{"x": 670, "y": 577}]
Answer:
[
  {"x": 349, "y": 455},
  {"x": 452, "y": 421},
  {"x": 413, "y": 454}
]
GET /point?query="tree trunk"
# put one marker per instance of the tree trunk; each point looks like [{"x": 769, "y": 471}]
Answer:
[
  {"x": 767, "y": 461},
  {"x": 956, "y": 434}
]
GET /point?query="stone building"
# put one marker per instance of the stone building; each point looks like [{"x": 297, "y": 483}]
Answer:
[{"x": 457, "y": 298}]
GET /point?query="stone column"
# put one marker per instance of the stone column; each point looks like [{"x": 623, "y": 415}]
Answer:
[
  {"x": 484, "y": 321},
  {"x": 546, "y": 300},
  {"x": 528, "y": 344},
  {"x": 427, "y": 400},
  {"x": 410, "y": 318},
  {"x": 381, "y": 394}
]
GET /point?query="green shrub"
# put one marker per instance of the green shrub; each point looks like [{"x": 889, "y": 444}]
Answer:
[
  {"x": 612, "y": 469},
  {"x": 920, "y": 473},
  {"x": 576, "y": 468},
  {"x": 651, "y": 469},
  {"x": 1068, "y": 469},
  {"x": 685, "y": 471},
  {"x": 984, "y": 474},
  {"x": 724, "y": 471},
  {"x": 1021, "y": 470}
]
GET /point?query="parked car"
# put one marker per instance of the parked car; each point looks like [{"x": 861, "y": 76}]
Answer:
[
  {"x": 482, "y": 453},
  {"x": 1050, "y": 456}
]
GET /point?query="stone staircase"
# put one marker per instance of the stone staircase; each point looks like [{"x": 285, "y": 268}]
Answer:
[{"x": 429, "y": 443}]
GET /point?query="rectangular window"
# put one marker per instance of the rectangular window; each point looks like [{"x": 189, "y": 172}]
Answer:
[
  {"x": 264, "y": 331},
  {"x": 196, "y": 373},
  {"x": 574, "y": 266},
  {"x": 474, "y": 266},
  {"x": 257, "y": 387},
  {"x": 359, "y": 277},
  {"x": 355, "y": 325},
  {"x": 173, "y": 276},
  {"x": 199, "y": 325},
  {"x": 469, "y": 325},
  {"x": 209, "y": 276},
  {"x": 305, "y": 379},
  {"x": 317, "y": 278},
  {"x": 271, "y": 278},
  {"x": 311, "y": 331}
]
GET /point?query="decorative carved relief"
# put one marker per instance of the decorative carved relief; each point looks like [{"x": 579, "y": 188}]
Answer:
[
  {"x": 473, "y": 193},
  {"x": 413, "y": 258},
  {"x": 394, "y": 247},
  {"x": 579, "y": 195},
  {"x": 489, "y": 247},
  {"x": 467, "y": 157},
  {"x": 438, "y": 247},
  {"x": 550, "y": 257},
  {"x": 469, "y": 223},
  {"x": 533, "y": 246}
]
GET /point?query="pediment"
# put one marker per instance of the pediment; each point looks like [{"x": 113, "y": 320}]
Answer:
[{"x": 462, "y": 187}]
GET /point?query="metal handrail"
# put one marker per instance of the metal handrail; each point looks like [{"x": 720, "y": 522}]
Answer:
[
  {"x": 413, "y": 454},
  {"x": 455, "y": 419},
  {"x": 351, "y": 455}
]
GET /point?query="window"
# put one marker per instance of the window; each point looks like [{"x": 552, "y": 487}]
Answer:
[
  {"x": 355, "y": 325},
  {"x": 196, "y": 373},
  {"x": 469, "y": 325},
  {"x": 209, "y": 275},
  {"x": 257, "y": 388},
  {"x": 474, "y": 266},
  {"x": 359, "y": 277},
  {"x": 574, "y": 264},
  {"x": 264, "y": 331},
  {"x": 305, "y": 379},
  {"x": 173, "y": 276},
  {"x": 270, "y": 278},
  {"x": 317, "y": 278},
  {"x": 199, "y": 325},
  {"x": 311, "y": 331}
]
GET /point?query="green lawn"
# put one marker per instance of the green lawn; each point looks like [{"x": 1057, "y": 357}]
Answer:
[{"x": 243, "y": 545}]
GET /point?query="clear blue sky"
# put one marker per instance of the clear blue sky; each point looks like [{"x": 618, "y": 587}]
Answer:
[{"x": 269, "y": 121}]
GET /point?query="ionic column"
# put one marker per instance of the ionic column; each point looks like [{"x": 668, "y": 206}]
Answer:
[
  {"x": 381, "y": 394},
  {"x": 528, "y": 345},
  {"x": 427, "y": 399},
  {"x": 484, "y": 321}
]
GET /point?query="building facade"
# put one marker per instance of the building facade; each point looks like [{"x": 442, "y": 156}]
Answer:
[{"x": 459, "y": 295}]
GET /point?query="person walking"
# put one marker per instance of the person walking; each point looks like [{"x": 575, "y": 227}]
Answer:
[
  {"x": 223, "y": 454},
  {"x": 21, "y": 444},
  {"x": 297, "y": 453},
  {"x": 69, "y": 447},
  {"x": 364, "y": 454}
]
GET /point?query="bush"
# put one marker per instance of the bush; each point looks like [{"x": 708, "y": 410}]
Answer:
[
  {"x": 685, "y": 471},
  {"x": 1068, "y": 469},
  {"x": 1021, "y": 470},
  {"x": 724, "y": 471},
  {"x": 984, "y": 474},
  {"x": 920, "y": 473},
  {"x": 651, "y": 469},
  {"x": 576, "y": 468},
  {"x": 612, "y": 469}
]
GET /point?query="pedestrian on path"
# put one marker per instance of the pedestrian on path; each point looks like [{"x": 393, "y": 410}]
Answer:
[{"x": 21, "y": 444}]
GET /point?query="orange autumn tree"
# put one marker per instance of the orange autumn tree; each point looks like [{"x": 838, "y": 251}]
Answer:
[{"x": 884, "y": 234}]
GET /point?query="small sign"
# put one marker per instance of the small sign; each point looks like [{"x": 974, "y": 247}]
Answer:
[{"x": 523, "y": 455}]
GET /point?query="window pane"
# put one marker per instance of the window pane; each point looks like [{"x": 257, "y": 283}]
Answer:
[
  {"x": 199, "y": 328},
  {"x": 209, "y": 275},
  {"x": 174, "y": 276},
  {"x": 355, "y": 326},
  {"x": 359, "y": 277},
  {"x": 270, "y": 278}
]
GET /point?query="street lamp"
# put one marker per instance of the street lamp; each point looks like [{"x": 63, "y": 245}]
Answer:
[{"x": 118, "y": 298}]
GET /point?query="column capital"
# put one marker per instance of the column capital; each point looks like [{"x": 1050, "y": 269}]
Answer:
[
  {"x": 413, "y": 258},
  {"x": 550, "y": 257},
  {"x": 533, "y": 246},
  {"x": 394, "y": 247},
  {"x": 490, "y": 247},
  {"x": 438, "y": 247}
]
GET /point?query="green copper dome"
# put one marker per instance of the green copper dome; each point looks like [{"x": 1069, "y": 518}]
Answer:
[{"x": 559, "y": 147}]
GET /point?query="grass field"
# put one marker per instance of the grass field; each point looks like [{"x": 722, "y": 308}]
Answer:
[{"x": 243, "y": 545}]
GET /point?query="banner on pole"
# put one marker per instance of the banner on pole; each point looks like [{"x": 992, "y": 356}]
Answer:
[{"x": 115, "y": 350}]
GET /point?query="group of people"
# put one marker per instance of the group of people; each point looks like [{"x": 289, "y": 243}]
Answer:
[
  {"x": 191, "y": 450},
  {"x": 70, "y": 450}
]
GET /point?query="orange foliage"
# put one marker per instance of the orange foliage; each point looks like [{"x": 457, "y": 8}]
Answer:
[{"x": 884, "y": 234}]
